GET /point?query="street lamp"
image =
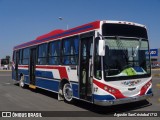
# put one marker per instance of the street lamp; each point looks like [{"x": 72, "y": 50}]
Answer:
[{"x": 60, "y": 18}]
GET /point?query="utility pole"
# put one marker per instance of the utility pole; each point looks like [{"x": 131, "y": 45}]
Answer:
[{"x": 60, "y": 18}]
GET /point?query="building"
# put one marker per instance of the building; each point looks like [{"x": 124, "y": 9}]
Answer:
[{"x": 155, "y": 57}]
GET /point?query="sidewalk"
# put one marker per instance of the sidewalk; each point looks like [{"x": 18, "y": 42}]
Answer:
[
  {"x": 5, "y": 70},
  {"x": 155, "y": 69},
  {"x": 156, "y": 75}
]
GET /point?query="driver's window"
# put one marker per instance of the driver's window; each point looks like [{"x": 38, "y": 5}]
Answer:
[{"x": 97, "y": 62}]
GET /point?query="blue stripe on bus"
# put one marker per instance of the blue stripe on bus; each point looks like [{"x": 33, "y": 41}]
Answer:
[
  {"x": 54, "y": 85},
  {"x": 149, "y": 91},
  {"x": 44, "y": 74},
  {"x": 56, "y": 36},
  {"x": 47, "y": 84},
  {"x": 75, "y": 90},
  {"x": 25, "y": 72},
  {"x": 63, "y": 34},
  {"x": 26, "y": 79},
  {"x": 103, "y": 97}
]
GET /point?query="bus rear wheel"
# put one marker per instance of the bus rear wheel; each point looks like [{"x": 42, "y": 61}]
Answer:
[{"x": 68, "y": 93}]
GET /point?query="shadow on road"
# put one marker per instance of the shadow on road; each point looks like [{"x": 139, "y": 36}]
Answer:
[
  {"x": 112, "y": 109},
  {"x": 95, "y": 109}
]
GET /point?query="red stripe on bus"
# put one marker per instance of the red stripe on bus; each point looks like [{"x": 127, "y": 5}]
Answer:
[
  {"x": 117, "y": 93},
  {"x": 23, "y": 66},
  {"x": 145, "y": 88},
  {"x": 62, "y": 70}
]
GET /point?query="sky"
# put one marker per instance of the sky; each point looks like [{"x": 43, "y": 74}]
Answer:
[{"x": 24, "y": 20}]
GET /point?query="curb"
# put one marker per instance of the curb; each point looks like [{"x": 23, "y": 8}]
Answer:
[
  {"x": 5, "y": 70},
  {"x": 156, "y": 75},
  {"x": 156, "y": 69}
]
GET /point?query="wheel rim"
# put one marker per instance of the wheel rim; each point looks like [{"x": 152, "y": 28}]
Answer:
[{"x": 67, "y": 92}]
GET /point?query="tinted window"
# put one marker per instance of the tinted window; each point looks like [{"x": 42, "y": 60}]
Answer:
[
  {"x": 97, "y": 61},
  {"x": 70, "y": 50},
  {"x": 54, "y": 53},
  {"x": 20, "y": 56},
  {"x": 42, "y": 54},
  {"x": 25, "y": 57},
  {"x": 123, "y": 30},
  {"x": 14, "y": 56}
]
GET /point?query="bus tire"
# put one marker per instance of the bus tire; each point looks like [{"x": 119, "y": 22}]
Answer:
[
  {"x": 68, "y": 93},
  {"x": 21, "y": 82}
]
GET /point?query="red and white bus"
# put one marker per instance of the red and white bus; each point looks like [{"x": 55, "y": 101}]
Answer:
[{"x": 102, "y": 62}]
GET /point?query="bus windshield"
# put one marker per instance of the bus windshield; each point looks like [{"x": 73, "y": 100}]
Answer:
[{"x": 126, "y": 58}]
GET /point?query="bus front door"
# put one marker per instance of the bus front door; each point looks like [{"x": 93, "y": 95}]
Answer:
[
  {"x": 85, "y": 68},
  {"x": 32, "y": 67}
]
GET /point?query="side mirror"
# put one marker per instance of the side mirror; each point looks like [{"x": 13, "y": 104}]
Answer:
[{"x": 101, "y": 47}]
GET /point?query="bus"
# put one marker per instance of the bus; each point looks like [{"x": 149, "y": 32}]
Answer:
[{"x": 102, "y": 62}]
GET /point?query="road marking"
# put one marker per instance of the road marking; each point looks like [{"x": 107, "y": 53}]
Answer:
[
  {"x": 32, "y": 86},
  {"x": 5, "y": 70},
  {"x": 156, "y": 75},
  {"x": 155, "y": 69},
  {"x": 7, "y": 83}
]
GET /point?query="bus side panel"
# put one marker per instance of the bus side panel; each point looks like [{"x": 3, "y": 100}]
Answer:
[
  {"x": 13, "y": 73},
  {"x": 71, "y": 72},
  {"x": 44, "y": 74},
  {"x": 23, "y": 71},
  {"x": 75, "y": 88},
  {"x": 26, "y": 79},
  {"x": 52, "y": 85}
]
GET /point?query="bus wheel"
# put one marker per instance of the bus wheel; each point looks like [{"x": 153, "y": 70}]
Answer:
[
  {"x": 68, "y": 93},
  {"x": 21, "y": 82}
]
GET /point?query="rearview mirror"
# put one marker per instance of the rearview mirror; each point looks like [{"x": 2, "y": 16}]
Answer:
[{"x": 101, "y": 47}]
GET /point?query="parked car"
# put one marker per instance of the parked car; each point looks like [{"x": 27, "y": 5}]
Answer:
[
  {"x": 155, "y": 66},
  {"x": 5, "y": 67}
]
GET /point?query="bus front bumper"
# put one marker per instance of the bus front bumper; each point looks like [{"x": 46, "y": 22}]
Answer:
[{"x": 121, "y": 101}]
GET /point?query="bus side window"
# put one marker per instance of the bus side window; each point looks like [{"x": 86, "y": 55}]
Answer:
[
  {"x": 42, "y": 54},
  {"x": 54, "y": 53},
  {"x": 97, "y": 62},
  {"x": 25, "y": 56},
  {"x": 76, "y": 49},
  {"x": 14, "y": 57},
  {"x": 20, "y": 56},
  {"x": 70, "y": 51}
]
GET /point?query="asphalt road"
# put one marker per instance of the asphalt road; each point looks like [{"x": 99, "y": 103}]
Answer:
[{"x": 14, "y": 98}]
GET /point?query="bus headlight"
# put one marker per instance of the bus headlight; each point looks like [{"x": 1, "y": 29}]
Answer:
[
  {"x": 105, "y": 88},
  {"x": 109, "y": 89}
]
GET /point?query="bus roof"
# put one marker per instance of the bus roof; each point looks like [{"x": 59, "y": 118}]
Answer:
[{"x": 57, "y": 34}]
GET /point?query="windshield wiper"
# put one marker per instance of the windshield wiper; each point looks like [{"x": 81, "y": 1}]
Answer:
[
  {"x": 137, "y": 48},
  {"x": 120, "y": 46}
]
